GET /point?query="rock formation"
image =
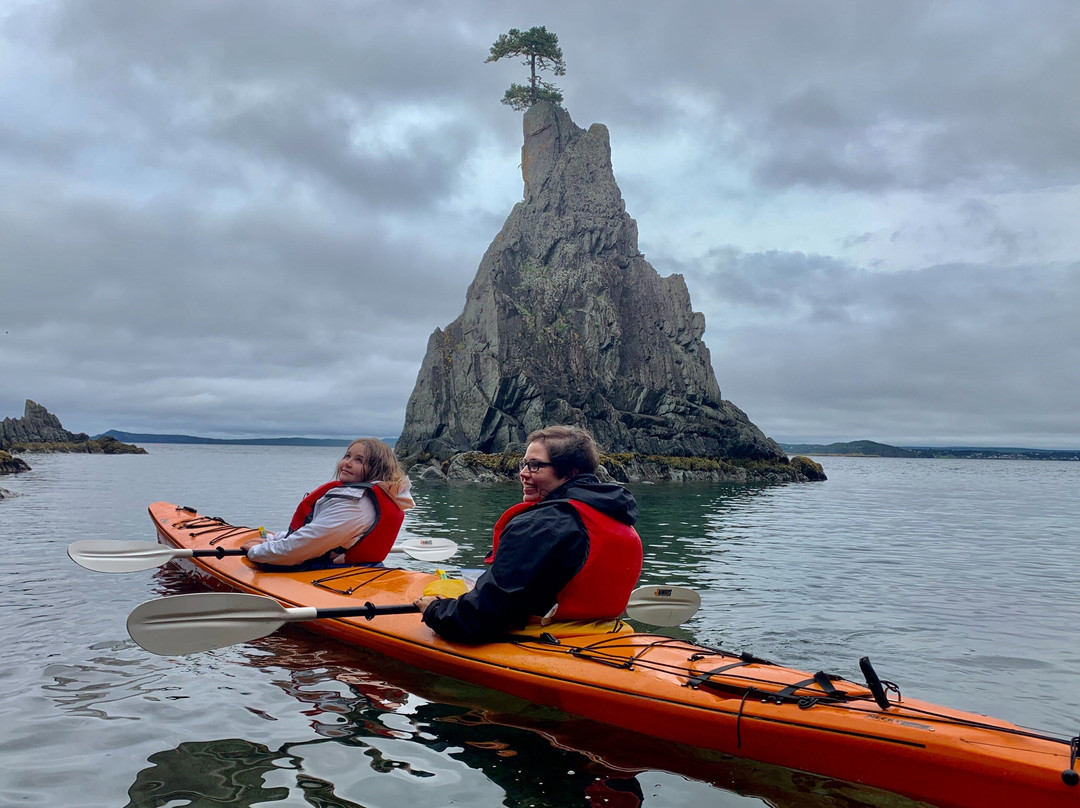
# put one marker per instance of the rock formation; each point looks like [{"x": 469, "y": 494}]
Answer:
[
  {"x": 40, "y": 431},
  {"x": 37, "y": 425},
  {"x": 11, "y": 465},
  {"x": 566, "y": 322}
]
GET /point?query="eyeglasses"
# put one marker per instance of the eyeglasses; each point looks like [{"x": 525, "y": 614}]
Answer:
[{"x": 533, "y": 465}]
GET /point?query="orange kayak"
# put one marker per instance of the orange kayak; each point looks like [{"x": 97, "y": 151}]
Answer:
[{"x": 673, "y": 689}]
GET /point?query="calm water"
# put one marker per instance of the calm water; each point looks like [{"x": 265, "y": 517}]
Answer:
[{"x": 958, "y": 578}]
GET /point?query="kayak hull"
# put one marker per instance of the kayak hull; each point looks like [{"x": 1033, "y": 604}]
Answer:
[{"x": 672, "y": 689}]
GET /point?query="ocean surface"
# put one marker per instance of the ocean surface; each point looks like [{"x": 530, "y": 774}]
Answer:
[{"x": 960, "y": 579}]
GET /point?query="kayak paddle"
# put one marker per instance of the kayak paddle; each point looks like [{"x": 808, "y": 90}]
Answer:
[
  {"x": 134, "y": 556},
  {"x": 426, "y": 549},
  {"x": 663, "y": 605},
  {"x": 187, "y": 624}
]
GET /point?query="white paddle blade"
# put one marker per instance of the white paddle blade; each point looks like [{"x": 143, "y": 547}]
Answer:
[
  {"x": 426, "y": 549},
  {"x": 121, "y": 556},
  {"x": 187, "y": 624},
  {"x": 663, "y": 605}
]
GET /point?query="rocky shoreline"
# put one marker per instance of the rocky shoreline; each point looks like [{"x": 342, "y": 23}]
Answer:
[
  {"x": 10, "y": 464},
  {"x": 39, "y": 431},
  {"x": 102, "y": 445},
  {"x": 476, "y": 467}
]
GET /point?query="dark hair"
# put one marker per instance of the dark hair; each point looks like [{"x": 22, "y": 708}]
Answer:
[{"x": 571, "y": 449}]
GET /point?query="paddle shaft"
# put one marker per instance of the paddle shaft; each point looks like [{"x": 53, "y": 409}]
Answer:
[
  {"x": 368, "y": 610},
  {"x": 218, "y": 552},
  {"x": 221, "y": 552}
]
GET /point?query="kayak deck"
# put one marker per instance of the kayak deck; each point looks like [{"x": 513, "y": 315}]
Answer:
[{"x": 673, "y": 689}]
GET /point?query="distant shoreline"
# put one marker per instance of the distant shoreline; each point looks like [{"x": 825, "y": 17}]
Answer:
[
  {"x": 866, "y": 448},
  {"x": 860, "y": 448},
  {"x": 136, "y": 437}
]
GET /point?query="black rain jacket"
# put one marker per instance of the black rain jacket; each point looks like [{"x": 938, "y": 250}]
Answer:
[{"x": 540, "y": 550}]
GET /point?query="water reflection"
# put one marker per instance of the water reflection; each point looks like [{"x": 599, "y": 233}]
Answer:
[
  {"x": 92, "y": 689},
  {"x": 203, "y": 773},
  {"x": 388, "y": 734},
  {"x": 234, "y": 771},
  {"x": 437, "y": 714}
]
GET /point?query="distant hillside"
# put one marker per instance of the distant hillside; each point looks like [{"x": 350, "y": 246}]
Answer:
[
  {"x": 869, "y": 448},
  {"x": 134, "y": 437},
  {"x": 861, "y": 448},
  {"x": 997, "y": 453}
]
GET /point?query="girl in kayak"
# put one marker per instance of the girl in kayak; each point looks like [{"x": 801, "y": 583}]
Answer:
[
  {"x": 353, "y": 519},
  {"x": 568, "y": 551}
]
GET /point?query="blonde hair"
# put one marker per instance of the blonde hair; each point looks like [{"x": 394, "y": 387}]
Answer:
[{"x": 382, "y": 464}]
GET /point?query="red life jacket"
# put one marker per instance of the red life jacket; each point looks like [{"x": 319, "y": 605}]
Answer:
[
  {"x": 602, "y": 587},
  {"x": 372, "y": 545}
]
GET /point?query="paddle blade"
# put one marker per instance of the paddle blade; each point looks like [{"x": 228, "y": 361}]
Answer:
[
  {"x": 426, "y": 549},
  {"x": 120, "y": 556},
  {"x": 663, "y": 605},
  {"x": 187, "y": 624}
]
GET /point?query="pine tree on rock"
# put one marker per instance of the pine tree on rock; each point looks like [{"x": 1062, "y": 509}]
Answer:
[{"x": 541, "y": 51}]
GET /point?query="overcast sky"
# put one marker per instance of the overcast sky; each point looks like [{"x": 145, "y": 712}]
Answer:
[{"x": 232, "y": 218}]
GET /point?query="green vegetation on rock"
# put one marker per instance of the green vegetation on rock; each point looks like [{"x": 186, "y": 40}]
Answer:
[
  {"x": 633, "y": 467},
  {"x": 102, "y": 445},
  {"x": 12, "y": 465},
  {"x": 541, "y": 51}
]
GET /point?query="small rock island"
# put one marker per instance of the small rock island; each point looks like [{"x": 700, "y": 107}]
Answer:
[
  {"x": 40, "y": 431},
  {"x": 566, "y": 322}
]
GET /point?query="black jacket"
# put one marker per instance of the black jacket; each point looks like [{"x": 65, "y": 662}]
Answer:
[{"x": 540, "y": 550}]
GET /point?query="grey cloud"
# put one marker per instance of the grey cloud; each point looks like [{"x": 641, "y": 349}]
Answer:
[
  {"x": 784, "y": 284},
  {"x": 216, "y": 89},
  {"x": 983, "y": 217},
  {"x": 315, "y": 142},
  {"x": 200, "y": 267},
  {"x": 203, "y": 46},
  {"x": 861, "y": 96},
  {"x": 250, "y": 215},
  {"x": 841, "y": 353}
]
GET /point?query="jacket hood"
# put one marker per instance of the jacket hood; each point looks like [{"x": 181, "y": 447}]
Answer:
[
  {"x": 400, "y": 492},
  {"x": 608, "y": 498}
]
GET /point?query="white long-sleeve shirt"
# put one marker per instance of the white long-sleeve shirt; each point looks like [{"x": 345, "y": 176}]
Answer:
[{"x": 339, "y": 517}]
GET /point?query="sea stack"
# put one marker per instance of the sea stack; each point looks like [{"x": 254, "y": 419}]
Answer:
[
  {"x": 567, "y": 323},
  {"x": 37, "y": 425},
  {"x": 41, "y": 431}
]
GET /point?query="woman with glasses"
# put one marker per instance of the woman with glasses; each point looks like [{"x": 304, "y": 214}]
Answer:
[{"x": 568, "y": 551}]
